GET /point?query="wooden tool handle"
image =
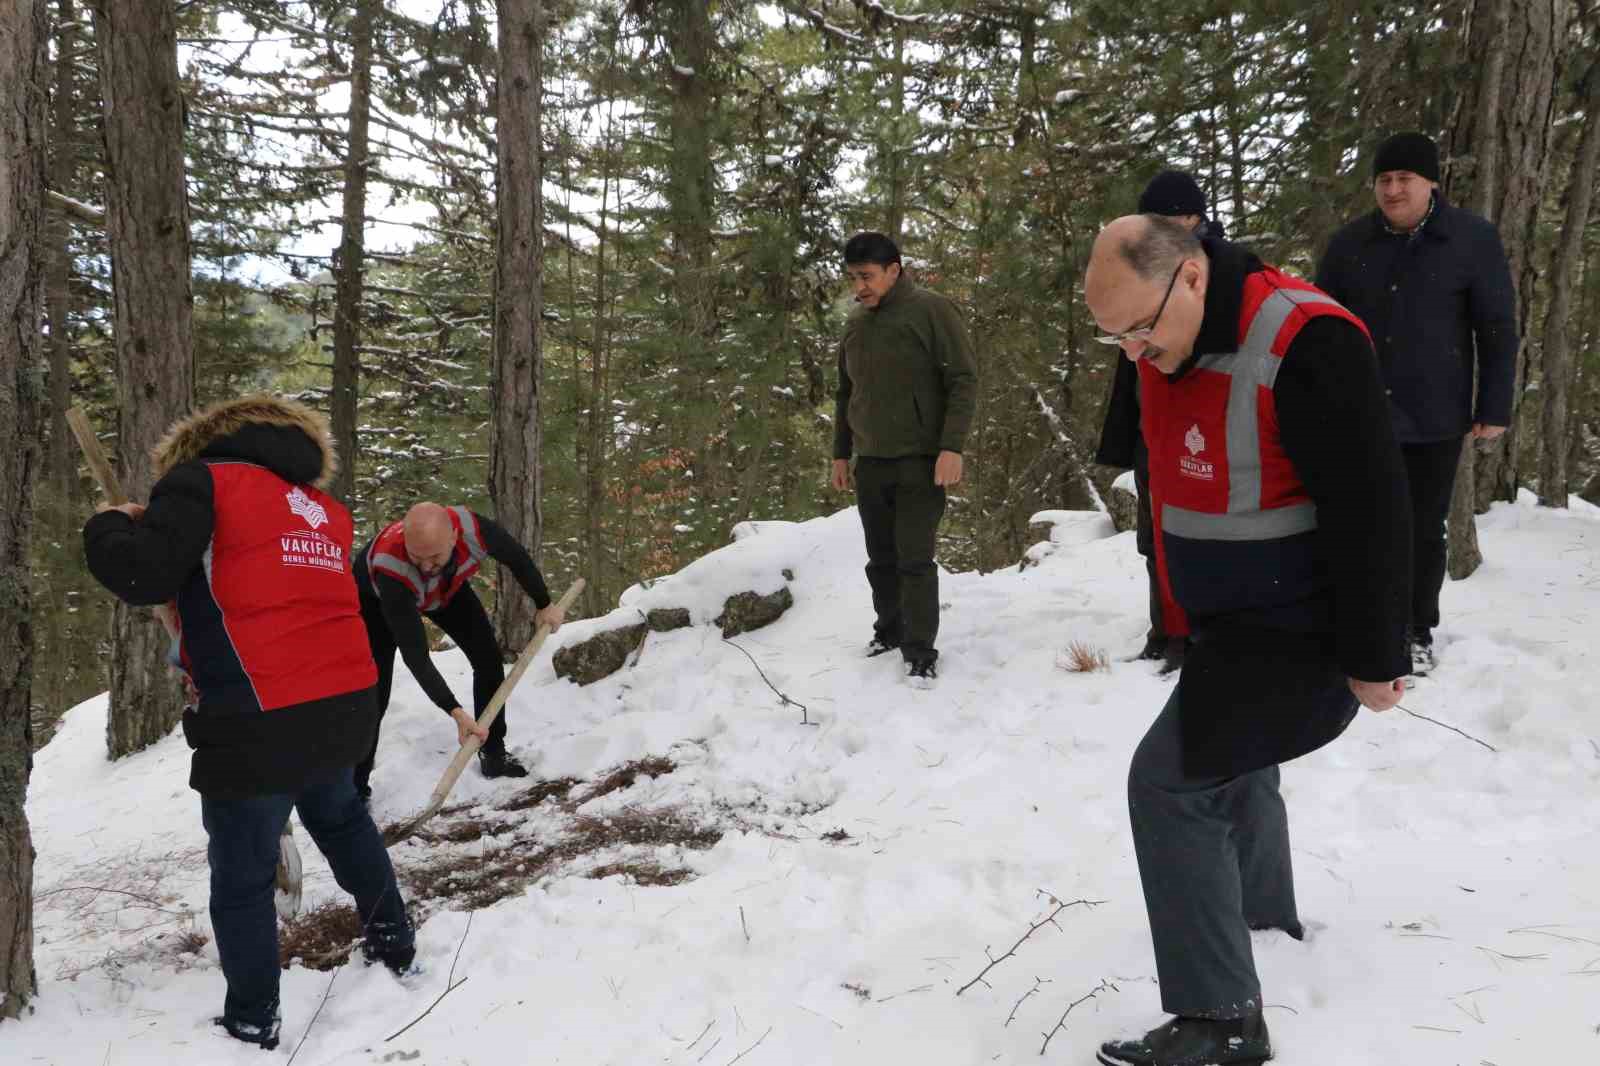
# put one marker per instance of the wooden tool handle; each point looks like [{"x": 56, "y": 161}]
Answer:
[
  {"x": 491, "y": 712},
  {"x": 99, "y": 465},
  {"x": 106, "y": 475}
]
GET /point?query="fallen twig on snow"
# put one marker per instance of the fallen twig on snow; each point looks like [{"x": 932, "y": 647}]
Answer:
[
  {"x": 326, "y": 992},
  {"x": 1452, "y": 728},
  {"x": 1049, "y": 919},
  {"x": 751, "y": 1048},
  {"x": 1037, "y": 981},
  {"x": 1061, "y": 1023},
  {"x": 787, "y": 702},
  {"x": 450, "y": 984}
]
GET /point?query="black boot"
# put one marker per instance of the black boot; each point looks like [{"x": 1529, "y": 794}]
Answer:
[
  {"x": 1172, "y": 653},
  {"x": 1422, "y": 660},
  {"x": 1194, "y": 1042},
  {"x": 1155, "y": 647},
  {"x": 393, "y": 944},
  {"x": 921, "y": 673},
  {"x": 499, "y": 762},
  {"x": 879, "y": 644},
  {"x": 263, "y": 1036}
]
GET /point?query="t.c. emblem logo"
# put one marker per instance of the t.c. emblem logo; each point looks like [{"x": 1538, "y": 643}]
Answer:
[{"x": 313, "y": 512}]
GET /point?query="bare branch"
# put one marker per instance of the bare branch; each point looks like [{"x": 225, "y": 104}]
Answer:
[
  {"x": 1061, "y": 1023},
  {"x": 1049, "y": 919}
]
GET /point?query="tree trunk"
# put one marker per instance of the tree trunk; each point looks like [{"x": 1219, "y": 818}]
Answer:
[
  {"x": 22, "y": 170},
  {"x": 596, "y": 430},
  {"x": 1565, "y": 260},
  {"x": 60, "y": 464},
  {"x": 516, "y": 434},
  {"x": 147, "y": 219},
  {"x": 896, "y": 148},
  {"x": 1470, "y": 181},
  {"x": 1507, "y": 191},
  {"x": 350, "y": 264}
]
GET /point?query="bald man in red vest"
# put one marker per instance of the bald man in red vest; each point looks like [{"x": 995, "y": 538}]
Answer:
[
  {"x": 422, "y": 566},
  {"x": 1282, "y": 526}
]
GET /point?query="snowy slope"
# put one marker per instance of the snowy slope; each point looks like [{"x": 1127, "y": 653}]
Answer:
[{"x": 1453, "y": 893}]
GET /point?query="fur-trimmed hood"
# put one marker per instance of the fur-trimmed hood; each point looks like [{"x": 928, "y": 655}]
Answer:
[{"x": 286, "y": 437}]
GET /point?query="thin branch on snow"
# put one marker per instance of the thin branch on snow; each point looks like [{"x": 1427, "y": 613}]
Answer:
[
  {"x": 1037, "y": 983},
  {"x": 449, "y": 987},
  {"x": 787, "y": 702},
  {"x": 326, "y": 992},
  {"x": 1061, "y": 1023},
  {"x": 1049, "y": 919},
  {"x": 751, "y": 1048},
  {"x": 1452, "y": 728}
]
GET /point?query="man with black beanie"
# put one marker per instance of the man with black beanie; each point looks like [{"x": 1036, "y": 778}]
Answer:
[
  {"x": 1431, "y": 282},
  {"x": 1177, "y": 196}
]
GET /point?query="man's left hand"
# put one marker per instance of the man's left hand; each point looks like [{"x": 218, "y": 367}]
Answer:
[
  {"x": 134, "y": 511},
  {"x": 1484, "y": 431},
  {"x": 551, "y": 616},
  {"x": 947, "y": 469},
  {"x": 1378, "y": 695}
]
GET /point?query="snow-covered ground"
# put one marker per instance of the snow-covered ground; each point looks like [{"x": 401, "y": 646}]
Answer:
[{"x": 1453, "y": 892}]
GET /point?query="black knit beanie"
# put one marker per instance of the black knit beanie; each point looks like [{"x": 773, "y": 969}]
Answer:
[
  {"x": 1172, "y": 192},
  {"x": 1415, "y": 152}
]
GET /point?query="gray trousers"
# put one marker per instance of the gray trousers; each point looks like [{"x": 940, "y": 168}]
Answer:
[{"x": 1214, "y": 861}]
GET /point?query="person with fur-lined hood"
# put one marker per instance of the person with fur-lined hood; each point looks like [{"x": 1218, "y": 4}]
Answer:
[{"x": 240, "y": 533}]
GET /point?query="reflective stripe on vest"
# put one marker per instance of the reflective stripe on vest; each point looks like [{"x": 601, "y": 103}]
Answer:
[
  {"x": 1249, "y": 370},
  {"x": 469, "y": 534},
  {"x": 400, "y": 568}
]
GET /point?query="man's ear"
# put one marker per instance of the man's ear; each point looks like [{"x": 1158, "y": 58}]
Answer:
[{"x": 897, "y": 271}]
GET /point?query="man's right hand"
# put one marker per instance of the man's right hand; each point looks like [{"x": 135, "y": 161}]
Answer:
[
  {"x": 467, "y": 726},
  {"x": 1378, "y": 695},
  {"x": 841, "y": 475}
]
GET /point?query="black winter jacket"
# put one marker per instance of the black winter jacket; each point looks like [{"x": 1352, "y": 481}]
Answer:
[
  {"x": 1252, "y": 693},
  {"x": 1433, "y": 301},
  {"x": 238, "y": 750}
]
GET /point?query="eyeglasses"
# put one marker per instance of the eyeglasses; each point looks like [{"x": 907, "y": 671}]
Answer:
[{"x": 1143, "y": 333}]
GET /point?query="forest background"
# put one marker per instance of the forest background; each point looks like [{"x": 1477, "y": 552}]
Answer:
[{"x": 658, "y": 363}]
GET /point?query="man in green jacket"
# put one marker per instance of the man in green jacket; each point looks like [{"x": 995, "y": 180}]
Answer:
[{"x": 908, "y": 385}]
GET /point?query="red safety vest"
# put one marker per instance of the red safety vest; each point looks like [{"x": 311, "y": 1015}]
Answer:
[
  {"x": 388, "y": 556},
  {"x": 271, "y": 618},
  {"x": 1233, "y": 522}
]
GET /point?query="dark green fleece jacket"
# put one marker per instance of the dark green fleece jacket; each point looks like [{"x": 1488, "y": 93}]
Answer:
[{"x": 908, "y": 382}]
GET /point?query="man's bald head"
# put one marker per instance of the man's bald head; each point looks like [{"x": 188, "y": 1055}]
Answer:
[
  {"x": 430, "y": 537},
  {"x": 1150, "y": 246},
  {"x": 1147, "y": 277}
]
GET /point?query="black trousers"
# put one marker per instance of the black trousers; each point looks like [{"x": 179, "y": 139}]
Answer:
[
  {"x": 1431, "y": 472},
  {"x": 464, "y": 621},
  {"x": 900, "y": 511},
  {"x": 242, "y": 849}
]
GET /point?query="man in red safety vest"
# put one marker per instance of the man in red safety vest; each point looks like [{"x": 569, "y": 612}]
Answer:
[
  {"x": 422, "y": 566},
  {"x": 1282, "y": 533}
]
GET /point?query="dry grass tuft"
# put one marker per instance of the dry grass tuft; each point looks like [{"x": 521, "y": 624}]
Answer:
[
  {"x": 320, "y": 938},
  {"x": 1083, "y": 658},
  {"x": 530, "y": 798},
  {"x": 481, "y": 878},
  {"x": 642, "y": 873},
  {"x": 625, "y": 775}
]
